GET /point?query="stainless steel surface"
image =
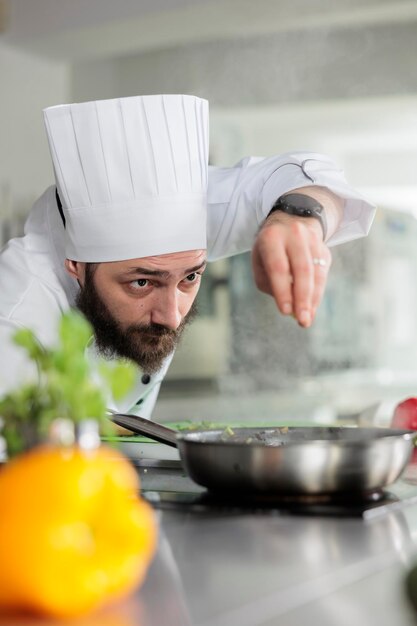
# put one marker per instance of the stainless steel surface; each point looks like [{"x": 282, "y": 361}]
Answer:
[
  {"x": 305, "y": 460},
  {"x": 268, "y": 570},
  {"x": 258, "y": 569}
]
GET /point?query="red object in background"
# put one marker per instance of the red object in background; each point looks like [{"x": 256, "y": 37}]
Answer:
[{"x": 405, "y": 415}]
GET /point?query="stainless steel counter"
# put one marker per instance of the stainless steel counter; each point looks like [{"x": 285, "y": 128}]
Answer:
[{"x": 217, "y": 569}]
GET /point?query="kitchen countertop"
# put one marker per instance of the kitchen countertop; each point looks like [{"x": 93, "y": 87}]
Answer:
[
  {"x": 225, "y": 569},
  {"x": 263, "y": 567}
]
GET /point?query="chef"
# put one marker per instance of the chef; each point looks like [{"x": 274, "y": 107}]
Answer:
[{"x": 136, "y": 214}]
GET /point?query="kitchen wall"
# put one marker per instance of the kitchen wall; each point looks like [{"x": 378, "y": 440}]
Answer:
[
  {"x": 28, "y": 84},
  {"x": 326, "y": 62}
]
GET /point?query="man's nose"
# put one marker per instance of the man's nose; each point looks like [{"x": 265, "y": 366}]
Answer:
[{"x": 166, "y": 310}]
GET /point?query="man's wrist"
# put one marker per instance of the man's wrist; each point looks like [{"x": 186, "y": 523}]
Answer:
[
  {"x": 332, "y": 203},
  {"x": 302, "y": 206},
  {"x": 279, "y": 217}
]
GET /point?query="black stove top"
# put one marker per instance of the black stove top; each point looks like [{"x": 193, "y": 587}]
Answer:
[{"x": 346, "y": 505}]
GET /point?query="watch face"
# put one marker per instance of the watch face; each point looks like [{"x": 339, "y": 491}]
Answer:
[
  {"x": 298, "y": 203},
  {"x": 302, "y": 206}
]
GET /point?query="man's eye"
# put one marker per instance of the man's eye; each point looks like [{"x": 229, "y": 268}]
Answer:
[
  {"x": 192, "y": 277},
  {"x": 140, "y": 282}
]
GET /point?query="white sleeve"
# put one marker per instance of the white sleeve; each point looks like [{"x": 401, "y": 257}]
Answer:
[{"x": 240, "y": 198}]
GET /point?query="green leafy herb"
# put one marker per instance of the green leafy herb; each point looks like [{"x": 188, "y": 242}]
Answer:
[{"x": 67, "y": 386}]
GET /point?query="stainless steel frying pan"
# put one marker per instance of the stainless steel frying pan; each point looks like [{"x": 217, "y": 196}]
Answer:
[{"x": 294, "y": 460}]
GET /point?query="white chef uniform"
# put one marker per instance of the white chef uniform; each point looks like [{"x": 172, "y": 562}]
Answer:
[{"x": 114, "y": 167}]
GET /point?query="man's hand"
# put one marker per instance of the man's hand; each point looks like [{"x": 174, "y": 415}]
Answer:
[{"x": 291, "y": 262}]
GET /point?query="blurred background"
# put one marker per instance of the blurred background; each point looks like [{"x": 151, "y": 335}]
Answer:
[{"x": 336, "y": 77}]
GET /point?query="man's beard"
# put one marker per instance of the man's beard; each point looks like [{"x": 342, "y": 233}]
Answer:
[{"x": 148, "y": 345}]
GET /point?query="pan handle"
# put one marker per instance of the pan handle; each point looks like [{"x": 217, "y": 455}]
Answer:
[{"x": 145, "y": 427}]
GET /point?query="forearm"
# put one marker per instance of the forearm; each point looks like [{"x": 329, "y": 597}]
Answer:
[{"x": 240, "y": 199}]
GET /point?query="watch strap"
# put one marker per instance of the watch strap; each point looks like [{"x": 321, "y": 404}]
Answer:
[{"x": 301, "y": 205}]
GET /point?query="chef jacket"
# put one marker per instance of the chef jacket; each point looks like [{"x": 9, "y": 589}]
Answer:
[{"x": 35, "y": 289}]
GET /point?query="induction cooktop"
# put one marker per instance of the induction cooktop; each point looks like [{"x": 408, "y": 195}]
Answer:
[
  {"x": 165, "y": 486},
  {"x": 346, "y": 505}
]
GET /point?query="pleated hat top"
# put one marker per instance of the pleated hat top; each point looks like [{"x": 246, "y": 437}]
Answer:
[{"x": 131, "y": 174}]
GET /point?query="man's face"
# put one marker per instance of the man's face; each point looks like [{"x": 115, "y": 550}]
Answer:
[{"x": 139, "y": 308}]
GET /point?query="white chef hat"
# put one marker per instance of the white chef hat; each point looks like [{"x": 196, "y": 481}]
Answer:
[{"x": 131, "y": 175}]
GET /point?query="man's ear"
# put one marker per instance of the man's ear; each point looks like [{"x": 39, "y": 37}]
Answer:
[{"x": 76, "y": 269}]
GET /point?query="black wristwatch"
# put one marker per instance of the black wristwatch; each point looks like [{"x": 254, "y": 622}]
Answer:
[{"x": 303, "y": 206}]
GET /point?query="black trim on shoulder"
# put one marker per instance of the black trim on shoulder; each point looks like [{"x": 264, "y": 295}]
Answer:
[{"x": 59, "y": 204}]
